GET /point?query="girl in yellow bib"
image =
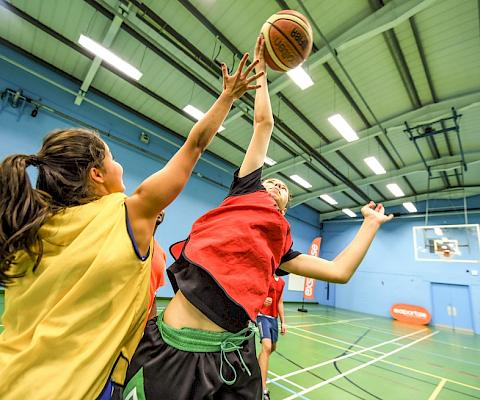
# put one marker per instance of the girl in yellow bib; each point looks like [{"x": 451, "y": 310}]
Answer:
[{"x": 75, "y": 257}]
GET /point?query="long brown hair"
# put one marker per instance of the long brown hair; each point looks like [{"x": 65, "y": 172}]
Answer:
[{"x": 63, "y": 162}]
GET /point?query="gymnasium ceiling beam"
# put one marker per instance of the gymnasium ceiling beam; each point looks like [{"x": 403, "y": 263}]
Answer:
[
  {"x": 81, "y": 50},
  {"x": 113, "y": 29},
  {"x": 447, "y": 194},
  {"x": 347, "y": 95},
  {"x": 446, "y": 163},
  {"x": 406, "y": 77},
  {"x": 282, "y": 127},
  {"x": 422, "y": 115},
  {"x": 106, "y": 97},
  {"x": 145, "y": 29},
  {"x": 141, "y": 29},
  {"x": 393, "y": 14},
  {"x": 431, "y": 87}
]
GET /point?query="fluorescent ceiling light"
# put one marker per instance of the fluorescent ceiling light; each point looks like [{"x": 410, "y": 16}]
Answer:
[
  {"x": 395, "y": 189},
  {"x": 269, "y": 161},
  {"x": 197, "y": 114},
  {"x": 374, "y": 165},
  {"x": 110, "y": 58},
  {"x": 438, "y": 231},
  {"x": 410, "y": 207},
  {"x": 328, "y": 199},
  {"x": 300, "y": 77},
  {"x": 349, "y": 212},
  {"x": 301, "y": 181},
  {"x": 342, "y": 126}
]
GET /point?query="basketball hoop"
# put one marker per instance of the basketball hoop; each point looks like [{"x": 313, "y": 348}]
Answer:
[{"x": 446, "y": 253}]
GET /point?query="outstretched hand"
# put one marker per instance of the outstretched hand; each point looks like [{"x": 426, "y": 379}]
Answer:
[
  {"x": 237, "y": 84},
  {"x": 259, "y": 53},
  {"x": 376, "y": 213}
]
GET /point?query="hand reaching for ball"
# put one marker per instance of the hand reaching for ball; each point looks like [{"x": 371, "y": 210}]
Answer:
[{"x": 259, "y": 54}]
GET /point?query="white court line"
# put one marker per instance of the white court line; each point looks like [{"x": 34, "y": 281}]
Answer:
[
  {"x": 346, "y": 355},
  {"x": 381, "y": 352},
  {"x": 286, "y": 380},
  {"x": 334, "y": 339},
  {"x": 361, "y": 366},
  {"x": 389, "y": 332},
  {"x": 393, "y": 363},
  {"x": 437, "y": 389},
  {"x": 341, "y": 321},
  {"x": 286, "y": 388}
]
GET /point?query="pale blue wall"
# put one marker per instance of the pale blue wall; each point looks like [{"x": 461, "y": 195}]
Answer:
[
  {"x": 24, "y": 135},
  {"x": 390, "y": 274}
]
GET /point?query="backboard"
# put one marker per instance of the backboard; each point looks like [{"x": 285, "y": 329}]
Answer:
[{"x": 447, "y": 243}]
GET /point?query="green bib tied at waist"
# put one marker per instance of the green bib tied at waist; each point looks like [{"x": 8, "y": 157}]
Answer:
[{"x": 200, "y": 341}]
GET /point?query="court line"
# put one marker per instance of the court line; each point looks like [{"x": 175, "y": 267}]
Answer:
[
  {"x": 344, "y": 356},
  {"x": 359, "y": 367},
  {"x": 430, "y": 353},
  {"x": 286, "y": 380},
  {"x": 437, "y": 390},
  {"x": 435, "y": 341},
  {"x": 341, "y": 321},
  {"x": 386, "y": 331},
  {"x": 392, "y": 363},
  {"x": 286, "y": 388}
]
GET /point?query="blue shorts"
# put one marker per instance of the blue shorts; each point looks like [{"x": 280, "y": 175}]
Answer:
[{"x": 268, "y": 327}]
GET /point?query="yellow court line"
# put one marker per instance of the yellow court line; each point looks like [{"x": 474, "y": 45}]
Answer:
[
  {"x": 357, "y": 368},
  {"x": 363, "y": 347},
  {"x": 386, "y": 331},
  {"x": 342, "y": 357},
  {"x": 437, "y": 389},
  {"x": 391, "y": 363}
]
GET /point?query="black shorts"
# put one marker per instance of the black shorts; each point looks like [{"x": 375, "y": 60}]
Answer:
[{"x": 171, "y": 374}]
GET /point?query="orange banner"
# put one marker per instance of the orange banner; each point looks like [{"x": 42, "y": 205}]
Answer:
[{"x": 309, "y": 288}]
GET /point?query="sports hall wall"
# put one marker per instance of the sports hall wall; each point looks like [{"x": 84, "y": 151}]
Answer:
[
  {"x": 20, "y": 133},
  {"x": 390, "y": 274}
]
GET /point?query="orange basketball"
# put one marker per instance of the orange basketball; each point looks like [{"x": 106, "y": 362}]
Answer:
[{"x": 288, "y": 40}]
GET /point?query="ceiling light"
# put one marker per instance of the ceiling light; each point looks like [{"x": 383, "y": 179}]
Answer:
[
  {"x": 374, "y": 165},
  {"x": 301, "y": 181},
  {"x": 197, "y": 114},
  {"x": 410, "y": 207},
  {"x": 328, "y": 199},
  {"x": 349, "y": 212},
  {"x": 269, "y": 161},
  {"x": 300, "y": 77},
  {"x": 343, "y": 127},
  {"x": 395, "y": 189},
  {"x": 110, "y": 58}
]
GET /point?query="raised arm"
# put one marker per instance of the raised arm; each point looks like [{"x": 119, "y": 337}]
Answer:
[
  {"x": 341, "y": 269},
  {"x": 160, "y": 189},
  {"x": 263, "y": 118}
]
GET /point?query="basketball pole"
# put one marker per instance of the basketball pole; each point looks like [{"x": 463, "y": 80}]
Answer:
[{"x": 303, "y": 309}]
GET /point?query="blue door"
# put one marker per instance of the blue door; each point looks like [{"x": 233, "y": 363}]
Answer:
[{"x": 452, "y": 306}]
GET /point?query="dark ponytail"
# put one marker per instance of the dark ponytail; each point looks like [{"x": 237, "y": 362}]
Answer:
[{"x": 63, "y": 165}]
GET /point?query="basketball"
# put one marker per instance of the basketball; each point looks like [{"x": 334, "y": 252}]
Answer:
[{"x": 288, "y": 40}]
